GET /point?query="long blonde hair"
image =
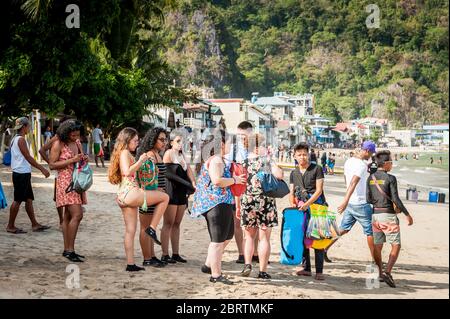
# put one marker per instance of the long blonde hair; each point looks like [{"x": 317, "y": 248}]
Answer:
[{"x": 123, "y": 139}]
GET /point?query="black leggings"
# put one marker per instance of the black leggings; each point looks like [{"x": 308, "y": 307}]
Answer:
[
  {"x": 220, "y": 223},
  {"x": 318, "y": 254}
]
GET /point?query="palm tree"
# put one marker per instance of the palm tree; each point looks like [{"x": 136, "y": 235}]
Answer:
[{"x": 35, "y": 9}]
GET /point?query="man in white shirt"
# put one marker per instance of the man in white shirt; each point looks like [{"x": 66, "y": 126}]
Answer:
[
  {"x": 21, "y": 162},
  {"x": 354, "y": 205},
  {"x": 97, "y": 136}
]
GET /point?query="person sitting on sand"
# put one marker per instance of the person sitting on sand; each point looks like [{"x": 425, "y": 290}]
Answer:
[
  {"x": 382, "y": 193},
  {"x": 130, "y": 196},
  {"x": 21, "y": 162}
]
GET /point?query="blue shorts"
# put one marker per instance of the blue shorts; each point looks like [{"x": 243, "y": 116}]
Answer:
[{"x": 358, "y": 213}]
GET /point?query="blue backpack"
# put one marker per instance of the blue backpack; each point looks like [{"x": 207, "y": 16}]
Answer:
[
  {"x": 3, "y": 203},
  {"x": 7, "y": 155},
  {"x": 82, "y": 178},
  {"x": 292, "y": 235}
]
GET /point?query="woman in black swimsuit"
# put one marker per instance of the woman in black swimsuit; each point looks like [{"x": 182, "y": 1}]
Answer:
[{"x": 180, "y": 183}]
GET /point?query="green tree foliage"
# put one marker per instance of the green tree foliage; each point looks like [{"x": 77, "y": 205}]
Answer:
[{"x": 108, "y": 71}]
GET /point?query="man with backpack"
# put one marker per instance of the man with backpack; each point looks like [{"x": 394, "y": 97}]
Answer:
[
  {"x": 382, "y": 193},
  {"x": 21, "y": 162}
]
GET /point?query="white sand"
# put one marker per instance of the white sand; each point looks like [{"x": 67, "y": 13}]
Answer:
[{"x": 31, "y": 265}]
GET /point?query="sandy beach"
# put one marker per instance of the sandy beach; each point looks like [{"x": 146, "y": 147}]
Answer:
[{"x": 31, "y": 265}]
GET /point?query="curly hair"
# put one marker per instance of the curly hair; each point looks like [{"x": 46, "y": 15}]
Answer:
[
  {"x": 123, "y": 139},
  {"x": 149, "y": 141},
  {"x": 68, "y": 127}
]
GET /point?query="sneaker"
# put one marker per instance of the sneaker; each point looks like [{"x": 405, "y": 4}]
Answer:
[
  {"x": 178, "y": 258},
  {"x": 264, "y": 275},
  {"x": 205, "y": 269},
  {"x": 221, "y": 279},
  {"x": 240, "y": 260},
  {"x": 246, "y": 271},
  {"x": 134, "y": 268},
  {"x": 167, "y": 259}
]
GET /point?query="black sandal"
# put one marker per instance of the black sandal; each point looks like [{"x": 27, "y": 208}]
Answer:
[
  {"x": 205, "y": 269},
  {"x": 388, "y": 279},
  {"x": 246, "y": 271},
  {"x": 221, "y": 279},
  {"x": 73, "y": 257},
  {"x": 264, "y": 275},
  {"x": 178, "y": 258},
  {"x": 134, "y": 268},
  {"x": 152, "y": 233},
  {"x": 67, "y": 253},
  {"x": 166, "y": 259}
]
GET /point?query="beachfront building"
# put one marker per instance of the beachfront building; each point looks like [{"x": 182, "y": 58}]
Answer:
[
  {"x": 402, "y": 137},
  {"x": 292, "y": 114},
  {"x": 282, "y": 114},
  {"x": 198, "y": 114},
  {"x": 345, "y": 133},
  {"x": 374, "y": 124},
  {"x": 435, "y": 134},
  {"x": 321, "y": 129},
  {"x": 237, "y": 110}
]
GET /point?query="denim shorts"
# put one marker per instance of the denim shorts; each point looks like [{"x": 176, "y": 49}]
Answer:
[{"x": 358, "y": 213}]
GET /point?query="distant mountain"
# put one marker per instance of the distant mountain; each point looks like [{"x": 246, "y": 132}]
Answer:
[{"x": 398, "y": 70}]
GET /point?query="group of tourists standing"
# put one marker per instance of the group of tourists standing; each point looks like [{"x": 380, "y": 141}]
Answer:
[{"x": 155, "y": 180}]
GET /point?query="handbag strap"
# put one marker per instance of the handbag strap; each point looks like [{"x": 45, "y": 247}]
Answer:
[
  {"x": 380, "y": 190},
  {"x": 281, "y": 239},
  {"x": 234, "y": 149}
]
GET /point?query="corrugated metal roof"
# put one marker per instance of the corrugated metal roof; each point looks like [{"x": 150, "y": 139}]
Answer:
[{"x": 272, "y": 100}]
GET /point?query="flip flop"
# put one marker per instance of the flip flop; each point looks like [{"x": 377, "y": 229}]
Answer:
[
  {"x": 41, "y": 228},
  {"x": 16, "y": 231}
]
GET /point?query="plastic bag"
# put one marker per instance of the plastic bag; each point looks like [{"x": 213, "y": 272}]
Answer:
[{"x": 322, "y": 223}]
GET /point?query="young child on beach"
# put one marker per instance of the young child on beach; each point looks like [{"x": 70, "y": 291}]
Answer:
[{"x": 382, "y": 193}]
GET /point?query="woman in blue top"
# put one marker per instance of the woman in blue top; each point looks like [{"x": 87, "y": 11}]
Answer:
[{"x": 213, "y": 200}]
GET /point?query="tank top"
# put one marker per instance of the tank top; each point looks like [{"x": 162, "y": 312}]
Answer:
[
  {"x": 19, "y": 164},
  {"x": 178, "y": 159}
]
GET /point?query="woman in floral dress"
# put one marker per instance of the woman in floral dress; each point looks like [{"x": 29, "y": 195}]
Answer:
[
  {"x": 65, "y": 152},
  {"x": 258, "y": 212}
]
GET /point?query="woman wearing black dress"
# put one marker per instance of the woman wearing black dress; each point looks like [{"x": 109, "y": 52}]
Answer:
[{"x": 180, "y": 183}]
